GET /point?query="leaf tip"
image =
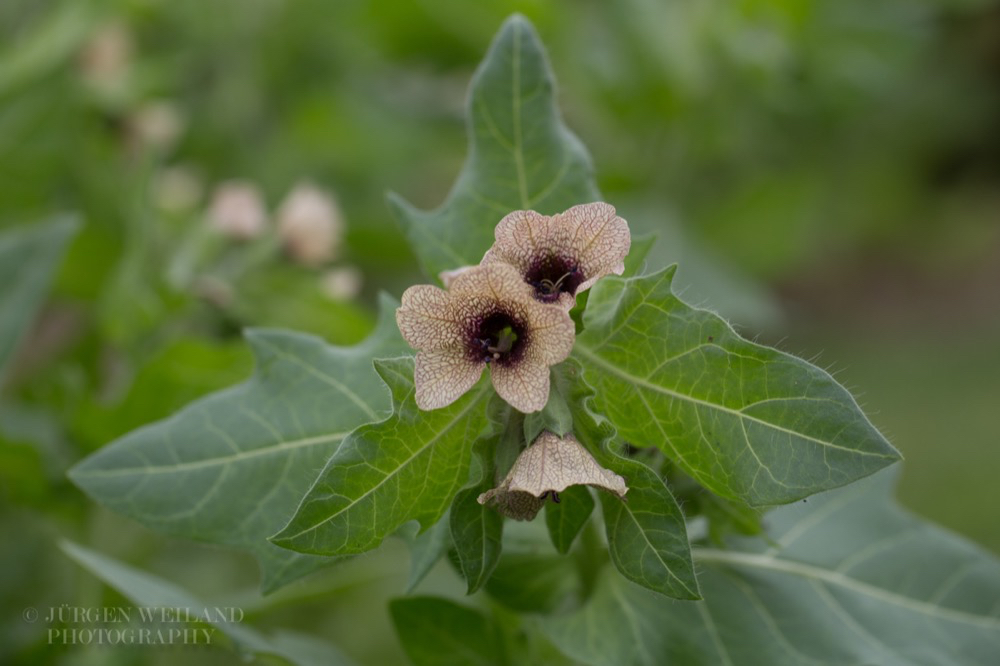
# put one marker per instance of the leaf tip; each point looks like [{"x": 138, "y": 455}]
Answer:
[{"x": 401, "y": 209}]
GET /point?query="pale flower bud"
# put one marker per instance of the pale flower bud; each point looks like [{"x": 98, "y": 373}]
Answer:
[
  {"x": 107, "y": 56},
  {"x": 310, "y": 225},
  {"x": 342, "y": 284},
  {"x": 237, "y": 210},
  {"x": 156, "y": 125},
  {"x": 177, "y": 189}
]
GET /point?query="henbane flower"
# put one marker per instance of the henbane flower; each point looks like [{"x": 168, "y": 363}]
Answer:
[
  {"x": 489, "y": 316},
  {"x": 562, "y": 255},
  {"x": 546, "y": 468}
]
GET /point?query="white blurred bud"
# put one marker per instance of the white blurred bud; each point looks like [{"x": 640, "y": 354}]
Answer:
[
  {"x": 177, "y": 189},
  {"x": 310, "y": 225},
  {"x": 237, "y": 210},
  {"x": 156, "y": 125},
  {"x": 107, "y": 57},
  {"x": 342, "y": 284}
]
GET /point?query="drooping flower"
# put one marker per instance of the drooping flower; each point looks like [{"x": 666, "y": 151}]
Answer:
[
  {"x": 489, "y": 317},
  {"x": 546, "y": 468},
  {"x": 562, "y": 255}
]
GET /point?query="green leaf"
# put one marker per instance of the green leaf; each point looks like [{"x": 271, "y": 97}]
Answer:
[
  {"x": 149, "y": 591},
  {"x": 535, "y": 582},
  {"x": 477, "y": 532},
  {"x": 426, "y": 549},
  {"x": 635, "y": 262},
  {"x": 182, "y": 371},
  {"x": 521, "y": 156},
  {"x": 555, "y": 416},
  {"x": 407, "y": 467},
  {"x": 647, "y": 538},
  {"x": 747, "y": 421},
  {"x": 439, "y": 632},
  {"x": 29, "y": 257},
  {"x": 853, "y": 579},
  {"x": 476, "y": 529},
  {"x": 231, "y": 468},
  {"x": 725, "y": 517},
  {"x": 566, "y": 518}
]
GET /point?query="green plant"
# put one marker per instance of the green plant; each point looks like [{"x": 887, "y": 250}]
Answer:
[{"x": 708, "y": 430}]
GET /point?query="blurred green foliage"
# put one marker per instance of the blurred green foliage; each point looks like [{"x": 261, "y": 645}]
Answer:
[{"x": 809, "y": 146}]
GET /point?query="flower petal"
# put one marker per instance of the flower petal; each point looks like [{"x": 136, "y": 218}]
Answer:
[
  {"x": 516, "y": 505},
  {"x": 553, "y": 464},
  {"x": 447, "y": 277},
  {"x": 427, "y": 318},
  {"x": 524, "y": 385},
  {"x": 596, "y": 238},
  {"x": 521, "y": 236},
  {"x": 498, "y": 281},
  {"x": 442, "y": 376},
  {"x": 550, "y": 465},
  {"x": 552, "y": 333}
]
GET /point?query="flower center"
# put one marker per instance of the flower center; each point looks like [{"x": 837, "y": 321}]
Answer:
[
  {"x": 499, "y": 338},
  {"x": 552, "y": 276}
]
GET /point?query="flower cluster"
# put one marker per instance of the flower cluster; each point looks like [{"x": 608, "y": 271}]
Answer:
[{"x": 511, "y": 312}]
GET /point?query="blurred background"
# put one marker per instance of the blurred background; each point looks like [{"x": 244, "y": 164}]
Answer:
[{"x": 827, "y": 173}]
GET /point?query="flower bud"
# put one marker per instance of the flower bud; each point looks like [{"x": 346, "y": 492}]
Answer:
[
  {"x": 156, "y": 125},
  {"x": 237, "y": 210},
  {"x": 106, "y": 58},
  {"x": 342, "y": 284},
  {"x": 177, "y": 189},
  {"x": 310, "y": 225}
]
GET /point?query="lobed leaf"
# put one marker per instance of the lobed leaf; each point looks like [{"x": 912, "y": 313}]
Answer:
[
  {"x": 407, "y": 467},
  {"x": 852, "y": 579},
  {"x": 748, "y": 422},
  {"x": 230, "y": 468},
  {"x": 521, "y": 156}
]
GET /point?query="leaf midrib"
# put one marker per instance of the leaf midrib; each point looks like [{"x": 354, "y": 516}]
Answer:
[
  {"x": 815, "y": 573},
  {"x": 451, "y": 424},
  {"x": 656, "y": 551},
  {"x": 212, "y": 462},
  {"x": 582, "y": 350}
]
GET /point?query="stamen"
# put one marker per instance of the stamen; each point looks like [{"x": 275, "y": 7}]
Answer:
[
  {"x": 549, "y": 287},
  {"x": 495, "y": 343}
]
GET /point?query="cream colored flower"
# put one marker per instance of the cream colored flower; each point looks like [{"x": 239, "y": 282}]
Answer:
[
  {"x": 546, "y": 468},
  {"x": 342, "y": 284},
  {"x": 488, "y": 317},
  {"x": 107, "y": 57},
  {"x": 310, "y": 225},
  {"x": 156, "y": 125},
  {"x": 447, "y": 277},
  {"x": 562, "y": 255},
  {"x": 237, "y": 210}
]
